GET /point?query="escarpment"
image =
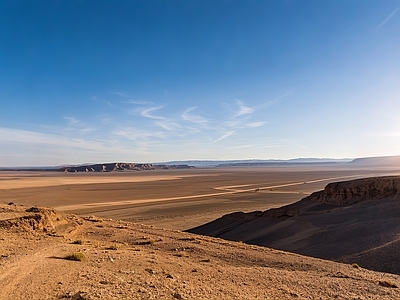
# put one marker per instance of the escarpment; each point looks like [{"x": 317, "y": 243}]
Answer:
[
  {"x": 351, "y": 221},
  {"x": 350, "y": 192},
  {"x": 342, "y": 193}
]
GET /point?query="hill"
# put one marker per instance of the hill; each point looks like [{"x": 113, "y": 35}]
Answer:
[
  {"x": 356, "y": 221},
  {"x": 47, "y": 255},
  {"x": 380, "y": 161},
  {"x": 259, "y": 162}
]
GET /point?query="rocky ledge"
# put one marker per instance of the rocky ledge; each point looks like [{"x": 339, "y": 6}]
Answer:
[{"x": 351, "y": 192}]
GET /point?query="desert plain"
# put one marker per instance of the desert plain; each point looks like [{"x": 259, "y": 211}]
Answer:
[
  {"x": 119, "y": 236},
  {"x": 174, "y": 199}
]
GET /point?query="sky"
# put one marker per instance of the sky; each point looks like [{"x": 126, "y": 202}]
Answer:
[{"x": 150, "y": 81}]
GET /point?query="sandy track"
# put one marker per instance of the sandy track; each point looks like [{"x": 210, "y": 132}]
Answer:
[{"x": 17, "y": 275}]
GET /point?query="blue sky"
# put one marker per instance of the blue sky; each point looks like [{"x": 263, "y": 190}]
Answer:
[{"x": 148, "y": 81}]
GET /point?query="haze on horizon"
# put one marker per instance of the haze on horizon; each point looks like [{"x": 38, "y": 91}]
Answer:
[{"x": 147, "y": 81}]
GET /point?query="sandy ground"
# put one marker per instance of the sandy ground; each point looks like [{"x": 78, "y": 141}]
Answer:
[
  {"x": 132, "y": 261},
  {"x": 174, "y": 199}
]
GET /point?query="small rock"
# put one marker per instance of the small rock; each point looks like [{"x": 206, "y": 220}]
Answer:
[
  {"x": 33, "y": 209},
  {"x": 388, "y": 284},
  {"x": 177, "y": 296}
]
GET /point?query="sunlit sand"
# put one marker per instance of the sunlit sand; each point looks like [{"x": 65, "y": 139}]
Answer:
[{"x": 178, "y": 199}]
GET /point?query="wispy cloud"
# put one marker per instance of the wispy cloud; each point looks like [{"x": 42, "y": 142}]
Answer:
[
  {"x": 224, "y": 136},
  {"x": 97, "y": 99},
  {"x": 187, "y": 116},
  {"x": 255, "y": 124},
  {"x": 121, "y": 94},
  {"x": 105, "y": 118},
  {"x": 274, "y": 101},
  {"x": 71, "y": 120},
  {"x": 147, "y": 113},
  {"x": 388, "y": 18},
  {"x": 154, "y": 128},
  {"x": 243, "y": 109},
  {"x": 139, "y": 102},
  {"x": 133, "y": 133},
  {"x": 77, "y": 126},
  {"x": 31, "y": 137},
  {"x": 168, "y": 125},
  {"x": 23, "y": 147},
  {"x": 277, "y": 99}
]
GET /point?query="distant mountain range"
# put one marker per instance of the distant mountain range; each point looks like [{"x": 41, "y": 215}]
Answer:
[
  {"x": 106, "y": 167},
  {"x": 382, "y": 161},
  {"x": 112, "y": 167},
  {"x": 258, "y": 162},
  {"x": 378, "y": 161}
]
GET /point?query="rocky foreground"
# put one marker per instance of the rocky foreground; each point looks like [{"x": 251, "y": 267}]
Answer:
[
  {"x": 47, "y": 255},
  {"x": 355, "y": 221}
]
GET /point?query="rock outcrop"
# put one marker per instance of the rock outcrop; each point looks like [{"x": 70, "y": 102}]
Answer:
[
  {"x": 112, "y": 167},
  {"x": 350, "y": 192},
  {"x": 32, "y": 219}
]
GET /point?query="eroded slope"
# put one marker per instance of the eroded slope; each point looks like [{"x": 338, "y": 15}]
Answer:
[{"x": 353, "y": 221}]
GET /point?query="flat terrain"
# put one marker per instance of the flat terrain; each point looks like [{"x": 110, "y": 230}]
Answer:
[{"x": 174, "y": 199}]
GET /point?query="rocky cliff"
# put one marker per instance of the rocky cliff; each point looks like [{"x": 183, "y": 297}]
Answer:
[
  {"x": 350, "y": 192},
  {"x": 112, "y": 167},
  {"x": 341, "y": 194}
]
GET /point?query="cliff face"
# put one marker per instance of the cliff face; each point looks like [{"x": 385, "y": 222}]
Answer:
[
  {"x": 111, "y": 167},
  {"x": 341, "y": 194},
  {"x": 353, "y": 221},
  {"x": 350, "y": 192}
]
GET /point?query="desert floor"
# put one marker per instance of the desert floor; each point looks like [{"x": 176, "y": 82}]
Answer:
[
  {"x": 173, "y": 199},
  {"x": 123, "y": 260}
]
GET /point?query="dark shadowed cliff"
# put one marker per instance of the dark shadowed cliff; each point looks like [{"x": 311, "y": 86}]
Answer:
[{"x": 356, "y": 221}]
